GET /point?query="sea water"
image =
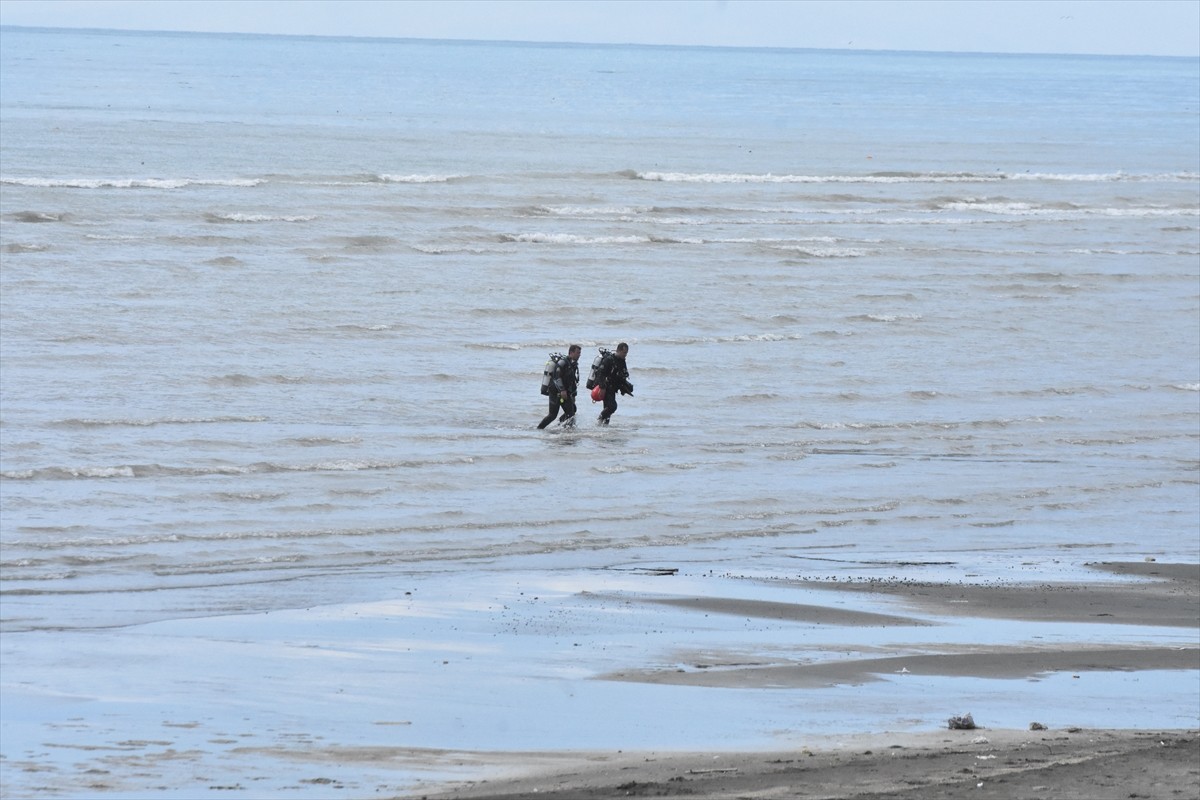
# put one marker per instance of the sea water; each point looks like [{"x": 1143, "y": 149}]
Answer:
[{"x": 274, "y": 310}]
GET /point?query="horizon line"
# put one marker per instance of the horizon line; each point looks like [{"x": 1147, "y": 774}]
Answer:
[{"x": 561, "y": 43}]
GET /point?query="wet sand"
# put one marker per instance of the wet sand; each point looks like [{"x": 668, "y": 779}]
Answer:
[
  {"x": 1065, "y": 765},
  {"x": 1171, "y": 599},
  {"x": 1068, "y": 762}
]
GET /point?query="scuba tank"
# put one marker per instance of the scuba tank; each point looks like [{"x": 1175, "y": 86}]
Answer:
[
  {"x": 594, "y": 376},
  {"x": 548, "y": 372}
]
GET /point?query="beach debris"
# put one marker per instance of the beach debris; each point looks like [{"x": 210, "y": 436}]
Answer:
[
  {"x": 710, "y": 771},
  {"x": 1036, "y": 726},
  {"x": 963, "y": 723},
  {"x": 979, "y": 740}
]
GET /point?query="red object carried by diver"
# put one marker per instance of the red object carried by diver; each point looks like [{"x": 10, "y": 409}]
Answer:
[{"x": 597, "y": 394}]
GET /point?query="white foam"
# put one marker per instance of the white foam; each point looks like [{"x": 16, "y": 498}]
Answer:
[
  {"x": 387, "y": 178},
  {"x": 1030, "y": 210},
  {"x": 710, "y": 177},
  {"x": 587, "y": 211},
  {"x": 924, "y": 177},
  {"x": 570, "y": 238},
  {"x": 264, "y": 217},
  {"x": 126, "y": 183}
]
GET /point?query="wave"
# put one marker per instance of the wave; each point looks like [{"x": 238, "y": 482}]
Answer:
[
  {"x": 731, "y": 339},
  {"x": 587, "y": 211},
  {"x": 570, "y": 238},
  {"x": 495, "y": 346},
  {"x": 738, "y": 177},
  {"x": 128, "y": 183},
  {"x": 736, "y": 338},
  {"x": 365, "y": 179},
  {"x": 775, "y": 240},
  {"x": 259, "y": 218},
  {"x": 418, "y": 178},
  {"x": 934, "y": 425},
  {"x": 323, "y": 441},
  {"x": 252, "y": 497},
  {"x": 204, "y": 241},
  {"x": 517, "y": 311},
  {"x": 1087, "y": 251},
  {"x": 442, "y": 250},
  {"x": 1107, "y": 177},
  {"x": 1059, "y": 210},
  {"x": 1058, "y": 391},
  {"x": 152, "y": 422},
  {"x": 367, "y": 241},
  {"x": 886, "y": 317},
  {"x": 824, "y": 252},
  {"x": 38, "y": 216},
  {"x": 377, "y": 327},
  {"x": 105, "y": 237},
  {"x": 238, "y": 379},
  {"x": 60, "y": 575},
  {"x": 183, "y": 183},
  {"x": 797, "y": 246},
  {"x": 262, "y": 467},
  {"x": 905, "y": 177},
  {"x": 447, "y": 548}
]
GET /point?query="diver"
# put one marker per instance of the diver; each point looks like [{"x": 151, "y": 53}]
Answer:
[
  {"x": 613, "y": 376},
  {"x": 564, "y": 383}
]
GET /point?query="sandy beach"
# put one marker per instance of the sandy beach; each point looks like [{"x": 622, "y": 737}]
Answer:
[
  {"x": 1070, "y": 765},
  {"x": 651, "y": 678},
  {"x": 1064, "y": 761}
]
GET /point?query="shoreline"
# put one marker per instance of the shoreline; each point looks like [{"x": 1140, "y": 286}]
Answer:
[
  {"x": 1066, "y": 762},
  {"x": 1074, "y": 764},
  {"x": 597, "y": 680}
]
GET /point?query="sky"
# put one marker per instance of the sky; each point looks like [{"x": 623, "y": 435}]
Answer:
[{"x": 1102, "y": 27}]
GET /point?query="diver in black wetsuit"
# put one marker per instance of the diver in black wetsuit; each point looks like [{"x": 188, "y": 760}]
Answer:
[
  {"x": 613, "y": 375},
  {"x": 564, "y": 383}
]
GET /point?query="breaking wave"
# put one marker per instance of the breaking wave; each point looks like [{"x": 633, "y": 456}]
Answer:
[
  {"x": 127, "y": 183},
  {"x": 903, "y": 177}
]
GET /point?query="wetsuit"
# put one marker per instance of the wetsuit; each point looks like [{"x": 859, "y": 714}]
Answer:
[
  {"x": 564, "y": 379},
  {"x": 613, "y": 375}
]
